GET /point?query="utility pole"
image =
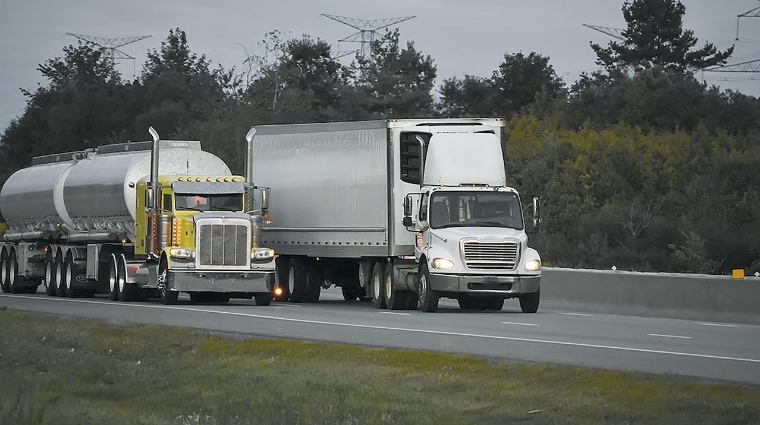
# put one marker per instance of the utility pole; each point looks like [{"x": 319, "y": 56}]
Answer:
[{"x": 367, "y": 31}]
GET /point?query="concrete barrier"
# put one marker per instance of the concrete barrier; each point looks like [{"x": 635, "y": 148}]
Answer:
[{"x": 678, "y": 296}]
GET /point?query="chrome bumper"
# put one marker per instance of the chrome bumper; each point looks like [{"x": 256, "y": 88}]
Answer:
[
  {"x": 212, "y": 281},
  {"x": 485, "y": 284}
]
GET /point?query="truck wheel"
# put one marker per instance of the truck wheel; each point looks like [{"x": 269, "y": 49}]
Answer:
[
  {"x": 297, "y": 281},
  {"x": 127, "y": 291},
  {"x": 113, "y": 292},
  {"x": 49, "y": 279},
  {"x": 394, "y": 299},
  {"x": 428, "y": 298},
  {"x": 60, "y": 287},
  {"x": 14, "y": 280},
  {"x": 378, "y": 285},
  {"x": 263, "y": 298},
  {"x": 167, "y": 296},
  {"x": 4, "y": 271},
  {"x": 68, "y": 277},
  {"x": 529, "y": 302}
]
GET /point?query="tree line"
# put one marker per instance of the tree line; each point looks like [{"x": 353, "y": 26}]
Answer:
[{"x": 639, "y": 165}]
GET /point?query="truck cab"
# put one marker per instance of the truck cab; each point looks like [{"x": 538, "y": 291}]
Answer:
[
  {"x": 471, "y": 242},
  {"x": 203, "y": 233}
]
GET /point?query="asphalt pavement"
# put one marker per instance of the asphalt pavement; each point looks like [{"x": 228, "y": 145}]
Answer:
[{"x": 714, "y": 351}]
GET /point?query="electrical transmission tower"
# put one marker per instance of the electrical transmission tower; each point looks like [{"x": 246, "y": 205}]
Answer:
[
  {"x": 748, "y": 66},
  {"x": 367, "y": 31},
  {"x": 612, "y": 32},
  {"x": 110, "y": 46},
  {"x": 754, "y": 13}
]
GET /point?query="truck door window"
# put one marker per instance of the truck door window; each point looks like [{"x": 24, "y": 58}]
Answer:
[
  {"x": 167, "y": 202},
  {"x": 423, "y": 207}
]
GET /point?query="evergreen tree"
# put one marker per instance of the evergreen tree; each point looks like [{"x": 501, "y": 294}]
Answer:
[{"x": 655, "y": 37}]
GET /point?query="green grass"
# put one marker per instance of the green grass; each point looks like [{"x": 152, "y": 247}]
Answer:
[{"x": 74, "y": 371}]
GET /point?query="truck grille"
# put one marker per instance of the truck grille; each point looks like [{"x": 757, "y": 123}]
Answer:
[
  {"x": 491, "y": 255},
  {"x": 223, "y": 245}
]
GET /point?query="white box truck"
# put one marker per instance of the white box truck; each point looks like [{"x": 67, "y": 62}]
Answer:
[{"x": 399, "y": 211}]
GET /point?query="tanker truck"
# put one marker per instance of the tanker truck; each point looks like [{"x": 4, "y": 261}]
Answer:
[
  {"x": 402, "y": 212},
  {"x": 135, "y": 220}
]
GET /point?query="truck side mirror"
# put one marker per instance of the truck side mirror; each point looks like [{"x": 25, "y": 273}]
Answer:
[
  {"x": 408, "y": 207},
  {"x": 408, "y": 221},
  {"x": 536, "y": 217}
]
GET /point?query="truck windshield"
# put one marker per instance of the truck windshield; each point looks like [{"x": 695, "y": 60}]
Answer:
[
  {"x": 475, "y": 209},
  {"x": 231, "y": 202}
]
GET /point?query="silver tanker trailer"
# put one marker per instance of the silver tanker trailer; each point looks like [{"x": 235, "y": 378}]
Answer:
[{"x": 135, "y": 220}]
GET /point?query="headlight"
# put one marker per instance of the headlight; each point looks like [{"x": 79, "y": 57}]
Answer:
[
  {"x": 533, "y": 265},
  {"x": 262, "y": 254},
  {"x": 440, "y": 263},
  {"x": 181, "y": 253}
]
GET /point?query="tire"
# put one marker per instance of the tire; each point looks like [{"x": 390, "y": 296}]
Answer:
[
  {"x": 49, "y": 279},
  {"x": 60, "y": 289},
  {"x": 113, "y": 291},
  {"x": 68, "y": 277},
  {"x": 377, "y": 283},
  {"x": 4, "y": 271},
  {"x": 529, "y": 302},
  {"x": 167, "y": 297},
  {"x": 428, "y": 299},
  {"x": 263, "y": 298},
  {"x": 15, "y": 281},
  {"x": 127, "y": 291},
  {"x": 298, "y": 278},
  {"x": 394, "y": 299}
]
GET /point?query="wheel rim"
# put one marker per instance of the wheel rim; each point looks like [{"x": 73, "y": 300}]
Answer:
[
  {"x": 49, "y": 274},
  {"x": 68, "y": 276},
  {"x": 388, "y": 285},
  {"x": 58, "y": 274},
  {"x": 361, "y": 276},
  {"x": 423, "y": 288},
  {"x": 112, "y": 274},
  {"x": 376, "y": 285},
  {"x": 121, "y": 276},
  {"x": 291, "y": 280},
  {"x": 12, "y": 272},
  {"x": 3, "y": 270}
]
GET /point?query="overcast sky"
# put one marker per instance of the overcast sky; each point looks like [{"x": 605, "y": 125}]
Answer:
[{"x": 463, "y": 37}]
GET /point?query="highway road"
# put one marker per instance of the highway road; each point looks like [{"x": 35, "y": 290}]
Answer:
[{"x": 714, "y": 351}]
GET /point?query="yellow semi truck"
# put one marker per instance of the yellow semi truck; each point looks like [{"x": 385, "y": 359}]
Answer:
[{"x": 135, "y": 220}]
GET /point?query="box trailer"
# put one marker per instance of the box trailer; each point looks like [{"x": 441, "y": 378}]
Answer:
[{"x": 400, "y": 211}]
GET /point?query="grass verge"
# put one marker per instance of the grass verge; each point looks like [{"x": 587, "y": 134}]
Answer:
[{"x": 75, "y": 371}]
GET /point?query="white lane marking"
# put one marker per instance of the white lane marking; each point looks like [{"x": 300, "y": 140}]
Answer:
[
  {"x": 722, "y": 325},
  {"x": 578, "y": 314},
  {"x": 411, "y": 330},
  {"x": 670, "y": 336},
  {"x": 285, "y": 305},
  {"x": 393, "y": 312},
  {"x": 519, "y": 323}
]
